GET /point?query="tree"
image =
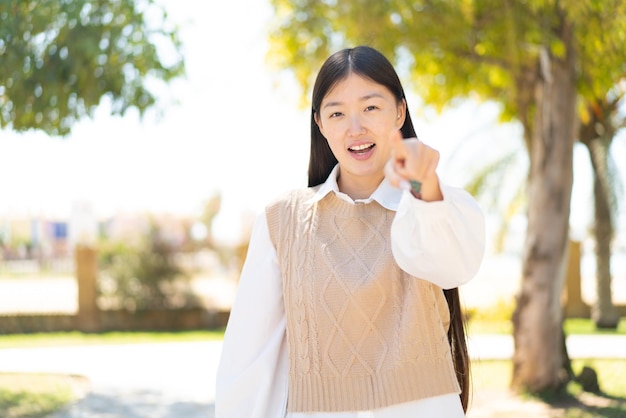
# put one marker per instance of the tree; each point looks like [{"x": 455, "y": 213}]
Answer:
[
  {"x": 61, "y": 57},
  {"x": 599, "y": 125},
  {"x": 525, "y": 55},
  {"x": 602, "y": 35}
]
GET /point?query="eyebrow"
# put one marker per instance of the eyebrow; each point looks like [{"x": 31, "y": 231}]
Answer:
[{"x": 362, "y": 99}]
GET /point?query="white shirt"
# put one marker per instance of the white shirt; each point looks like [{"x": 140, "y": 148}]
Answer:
[{"x": 442, "y": 242}]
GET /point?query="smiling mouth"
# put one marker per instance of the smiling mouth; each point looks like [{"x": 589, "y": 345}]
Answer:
[{"x": 361, "y": 148}]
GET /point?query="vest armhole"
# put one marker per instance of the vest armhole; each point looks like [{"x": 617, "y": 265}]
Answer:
[
  {"x": 272, "y": 214},
  {"x": 279, "y": 214}
]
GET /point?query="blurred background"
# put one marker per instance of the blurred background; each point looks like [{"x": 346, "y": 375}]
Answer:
[
  {"x": 133, "y": 187},
  {"x": 222, "y": 140}
]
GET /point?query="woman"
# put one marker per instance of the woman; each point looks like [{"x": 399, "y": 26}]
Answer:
[{"x": 341, "y": 310}]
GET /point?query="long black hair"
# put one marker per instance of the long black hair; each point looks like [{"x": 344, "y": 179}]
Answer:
[{"x": 367, "y": 62}]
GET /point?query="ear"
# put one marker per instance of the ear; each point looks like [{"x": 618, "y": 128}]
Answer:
[
  {"x": 401, "y": 113},
  {"x": 318, "y": 122}
]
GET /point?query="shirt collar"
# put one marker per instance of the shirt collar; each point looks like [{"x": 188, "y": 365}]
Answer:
[{"x": 385, "y": 194}]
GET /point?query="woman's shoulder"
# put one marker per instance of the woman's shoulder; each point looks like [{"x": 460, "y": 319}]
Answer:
[
  {"x": 287, "y": 207},
  {"x": 293, "y": 197}
]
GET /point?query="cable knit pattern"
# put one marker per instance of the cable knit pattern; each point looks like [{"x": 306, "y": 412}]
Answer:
[{"x": 362, "y": 334}]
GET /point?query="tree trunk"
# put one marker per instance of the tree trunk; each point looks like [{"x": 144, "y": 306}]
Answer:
[
  {"x": 537, "y": 321},
  {"x": 575, "y": 306},
  {"x": 597, "y": 135},
  {"x": 603, "y": 312}
]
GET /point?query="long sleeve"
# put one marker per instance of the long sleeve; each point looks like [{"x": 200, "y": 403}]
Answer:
[
  {"x": 252, "y": 375},
  {"x": 442, "y": 242}
]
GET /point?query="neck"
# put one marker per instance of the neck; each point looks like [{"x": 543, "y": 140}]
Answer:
[{"x": 358, "y": 187}]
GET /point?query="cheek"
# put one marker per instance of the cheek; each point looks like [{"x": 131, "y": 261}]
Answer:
[
  {"x": 382, "y": 122},
  {"x": 334, "y": 144},
  {"x": 331, "y": 131}
]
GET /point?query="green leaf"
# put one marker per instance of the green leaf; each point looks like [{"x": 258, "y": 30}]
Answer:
[{"x": 60, "y": 58}]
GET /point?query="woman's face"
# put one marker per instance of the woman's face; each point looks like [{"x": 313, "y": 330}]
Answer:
[{"x": 358, "y": 118}]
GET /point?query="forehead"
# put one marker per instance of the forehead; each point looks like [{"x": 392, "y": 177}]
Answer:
[{"x": 356, "y": 87}]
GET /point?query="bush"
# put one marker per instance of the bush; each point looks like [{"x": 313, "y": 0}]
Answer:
[{"x": 143, "y": 275}]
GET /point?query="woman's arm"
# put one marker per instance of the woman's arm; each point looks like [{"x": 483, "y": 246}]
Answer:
[
  {"x": 253, "y": 370},
  {"x": 442, "y": 241}
]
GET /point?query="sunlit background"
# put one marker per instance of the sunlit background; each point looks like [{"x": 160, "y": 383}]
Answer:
[
  {"x": 232, "y": 126},
  {"x": 233, "y": 129}
]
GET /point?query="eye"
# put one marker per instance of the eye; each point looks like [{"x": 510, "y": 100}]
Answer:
[
  {"x": 335, "y": 115},
  {"x": 370, "y": 108}
]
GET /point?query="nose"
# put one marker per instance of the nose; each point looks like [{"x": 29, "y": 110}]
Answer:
[{"x": 356, "y": 126}]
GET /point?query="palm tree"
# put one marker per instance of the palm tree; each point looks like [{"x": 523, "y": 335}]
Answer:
[{"x": 597, "y": 132}]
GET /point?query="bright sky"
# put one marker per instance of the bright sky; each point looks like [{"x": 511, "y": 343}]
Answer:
[{"x": 234, "y": 131}]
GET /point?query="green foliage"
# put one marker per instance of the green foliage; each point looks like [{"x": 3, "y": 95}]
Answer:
[
  {"x": 497, "y": 320},
  {"x": 477, "y": 326},
  {"x": 33, "y": 395},
  {"x": 76, "y": 338},
  {"x": 502, "y": 310},
  {"x": 587, "y": 326},
  {"x": 491, "y": 379},
  {"x": 61, "y": 57},
  {"x": 27, "y": 404},
  {"x": 492, "y": 183},
  {"x": 450, "y": 49},
  {"x": 144, "y": 275},
  {"x": 610, "y": 402},
  {"x": 601, "y": 46}
]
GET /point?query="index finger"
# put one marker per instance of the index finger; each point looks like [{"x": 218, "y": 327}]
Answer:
[{"x": 398, "y": 150}]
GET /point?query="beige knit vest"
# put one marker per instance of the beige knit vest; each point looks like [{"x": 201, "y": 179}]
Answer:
[{"x": 362, "y": 334}]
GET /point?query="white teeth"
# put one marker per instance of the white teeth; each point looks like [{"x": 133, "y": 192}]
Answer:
[{"x": 361, "y": 147}]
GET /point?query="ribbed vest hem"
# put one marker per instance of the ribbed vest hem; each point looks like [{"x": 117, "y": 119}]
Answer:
[{"x": 316, "y": 393}]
